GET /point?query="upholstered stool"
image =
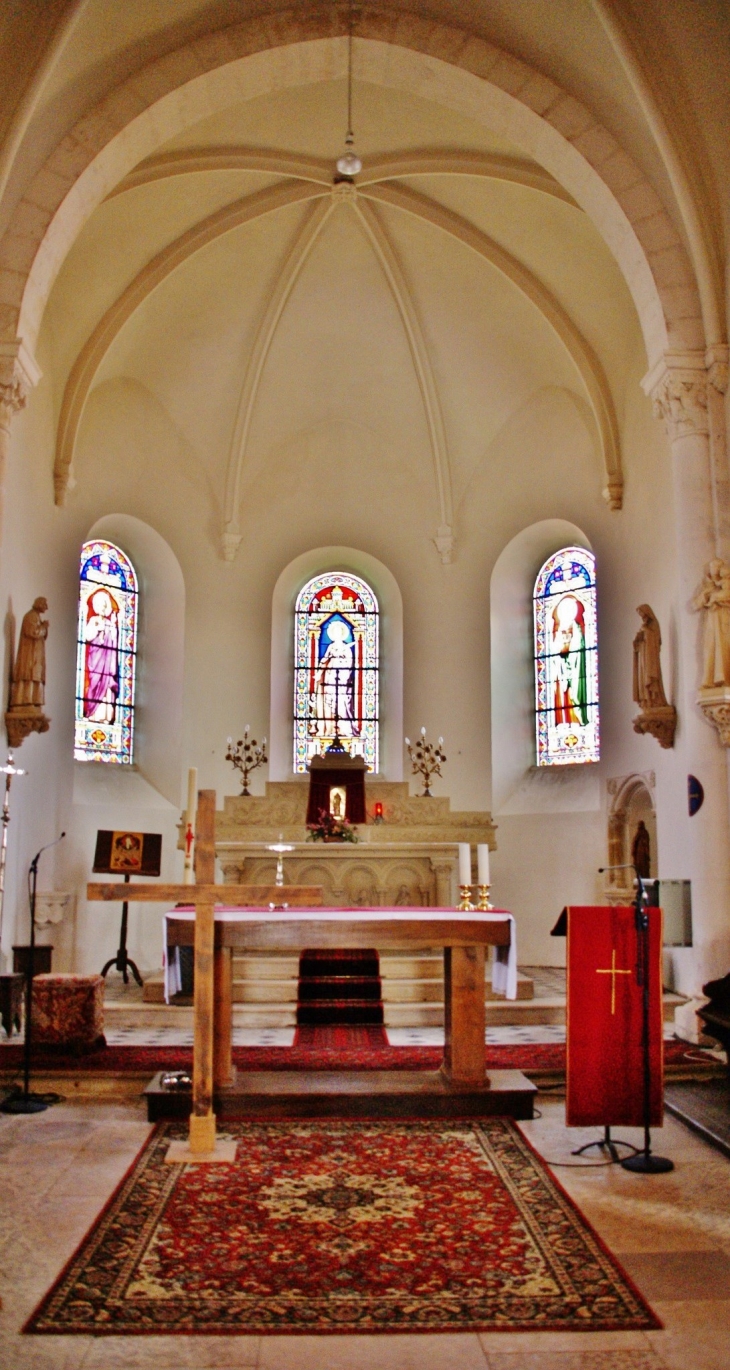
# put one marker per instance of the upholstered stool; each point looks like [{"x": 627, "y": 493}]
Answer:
[{"x": 68, "y": 1012}]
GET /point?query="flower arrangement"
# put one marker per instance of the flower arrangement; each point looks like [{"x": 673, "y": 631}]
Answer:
[{"x": 327, "y": 828}]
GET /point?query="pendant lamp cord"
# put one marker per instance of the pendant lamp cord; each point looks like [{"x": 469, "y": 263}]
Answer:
[{"x": 349, "y": 140}]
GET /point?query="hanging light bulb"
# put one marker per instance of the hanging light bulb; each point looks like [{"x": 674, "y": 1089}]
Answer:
[{"x": 349, "y": 164}]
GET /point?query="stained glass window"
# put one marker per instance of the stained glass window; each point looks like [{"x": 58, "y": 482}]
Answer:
[
  {"x": 566, "y": 659},
  {"x": 336, "y": 668},
  {"x": 105, "y": 656}
]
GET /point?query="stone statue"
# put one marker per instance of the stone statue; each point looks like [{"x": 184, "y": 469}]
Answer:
[
  {"x": 28, "y": 689},
  {"x": 29, "y": 671},
  {"x": 648, "y": 685},
  {"x": 714, "y": 599},
  {"x": 657, "y": 716},
  {"x": 641, "y": 851}
]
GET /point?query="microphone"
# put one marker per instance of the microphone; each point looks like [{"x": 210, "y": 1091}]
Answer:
[{"x": 38, "y": 855}]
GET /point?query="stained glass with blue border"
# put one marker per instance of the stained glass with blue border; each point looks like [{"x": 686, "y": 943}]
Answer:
[
  {"x": 106, "y": 655},
  {"x": 336, "y": 668},
  {"x": 566, "y": 659}
]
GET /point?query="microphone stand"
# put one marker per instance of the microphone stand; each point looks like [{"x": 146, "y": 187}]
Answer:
[
  {"x": 26, "y": 1102},
  {"x": 645, "y": 1162}
]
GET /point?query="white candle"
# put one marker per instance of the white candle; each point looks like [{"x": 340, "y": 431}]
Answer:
[
  {"x": 188, "y": 867},
  {"x": 483, "y": 863},
  {"x": 464, "y": 863},
  {"x": 193, "y": 794}
]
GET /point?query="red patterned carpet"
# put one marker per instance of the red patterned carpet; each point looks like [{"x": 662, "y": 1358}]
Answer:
[
  {"x": 343, "y": 1227},
  {"x": 325, "y": 1049}
]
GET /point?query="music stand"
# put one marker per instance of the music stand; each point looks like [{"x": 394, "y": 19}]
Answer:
[{"x": 127, "y": 854}]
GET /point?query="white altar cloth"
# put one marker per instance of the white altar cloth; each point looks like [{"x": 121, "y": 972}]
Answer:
[{"x": 504, "y": 965}]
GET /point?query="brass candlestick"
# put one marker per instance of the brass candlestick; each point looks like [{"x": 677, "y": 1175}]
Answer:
[
  {"x": 465, "y": 906},
  {"x": 246, "y": 756},
  {"x": 426, "y": 759},
  {"x": 484, "y": 905}
]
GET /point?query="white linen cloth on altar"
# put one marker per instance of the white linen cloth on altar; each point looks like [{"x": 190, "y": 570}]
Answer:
[{"x": 504, "y": 966}]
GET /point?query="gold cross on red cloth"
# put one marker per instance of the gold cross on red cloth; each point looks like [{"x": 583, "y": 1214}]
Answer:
[{"x": 613, "y": 972}]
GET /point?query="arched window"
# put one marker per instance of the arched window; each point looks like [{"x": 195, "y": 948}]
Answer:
[
  {"x": 336, "y": 668},
  {"x": 106, "y": 654},
  {"x": 566, "y": 659}
]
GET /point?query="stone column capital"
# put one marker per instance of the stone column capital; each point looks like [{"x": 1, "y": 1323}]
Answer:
[
  {"x": 677, "y": 386},
  {"x": 717, "y": 361},
  {"x": 19, "y": 372}
]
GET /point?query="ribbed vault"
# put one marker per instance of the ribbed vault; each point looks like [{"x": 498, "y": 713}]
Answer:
[{"x": 305, "y": 180}]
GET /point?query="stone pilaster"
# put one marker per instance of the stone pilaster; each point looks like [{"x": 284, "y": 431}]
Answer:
[
  {"x": 18, "y": 374},
  {"x": 680, "y": 388}
]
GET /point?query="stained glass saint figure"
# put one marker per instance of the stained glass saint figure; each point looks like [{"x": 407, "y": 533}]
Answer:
[
  {"x": 336, "y": 669},
  {"x": 566, "y": 659},
  {"x": 106, "y": 652}
]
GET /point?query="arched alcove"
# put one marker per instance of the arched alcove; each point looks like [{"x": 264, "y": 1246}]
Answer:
[
  {"x": 631, "y": 801},
  {"x": 517, "y": 785},
  {"x": 385, "y": 586}
]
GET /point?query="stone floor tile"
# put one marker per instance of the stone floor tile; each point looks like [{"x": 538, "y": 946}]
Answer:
[
  {"x": 426, "y": 1351},
  {"x": 695, "y": 1336},
  {"x": 502, "y": 1343},
  {"x": 641, "y": 1359},
  {"x": 682, "y": 1275},
  {"x": 160, "y": 1353},
  {"x": 225, "y": 1353},
  {"x": 44, "y": 1353}
]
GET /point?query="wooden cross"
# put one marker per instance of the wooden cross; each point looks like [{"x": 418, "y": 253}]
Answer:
[
  {"x": 211, "y": 1066},
  {"x": 613, "y": 972}
]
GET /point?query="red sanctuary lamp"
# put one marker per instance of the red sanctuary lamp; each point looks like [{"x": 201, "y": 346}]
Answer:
[{"x": 378, "y": 812}]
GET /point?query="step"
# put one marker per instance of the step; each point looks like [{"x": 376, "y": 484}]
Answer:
[
  {"x": 351, "y": 987},
  {"x": 340, "y": 1012}
]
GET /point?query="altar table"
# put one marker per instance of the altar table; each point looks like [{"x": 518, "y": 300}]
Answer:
[{"x": 463, "y": 936}]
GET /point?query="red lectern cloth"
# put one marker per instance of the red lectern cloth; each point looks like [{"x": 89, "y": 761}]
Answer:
[{"x": 605, "y": 1064}]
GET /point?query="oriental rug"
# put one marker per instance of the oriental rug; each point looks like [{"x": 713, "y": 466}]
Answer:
[{"x": 335, "y": 1226}]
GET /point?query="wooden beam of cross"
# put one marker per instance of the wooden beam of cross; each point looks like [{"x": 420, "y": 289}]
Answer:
[{"x": 212, "y": 974}]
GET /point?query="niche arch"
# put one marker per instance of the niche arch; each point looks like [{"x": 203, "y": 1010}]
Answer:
[
  {"x": 160, "y": 652},
  {"x": 387, "y": 592},
  {"x": 631, "y": 800},
  {"x": 518, "y": 785}
]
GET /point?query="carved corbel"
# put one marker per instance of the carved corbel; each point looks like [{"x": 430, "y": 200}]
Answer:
[
  {"x": 715, "y": 705},
  {"x": 678, "y": 390},
  {"x": 444, "y": 543},
  {"x": 661, "y": 722}
]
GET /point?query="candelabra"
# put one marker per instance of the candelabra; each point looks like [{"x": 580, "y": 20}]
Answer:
[
  {"x": 246, "y": 756},
  {"x": 426, "y": 758}
]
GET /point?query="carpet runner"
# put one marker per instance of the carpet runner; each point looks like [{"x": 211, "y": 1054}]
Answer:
[
  {"x": 339, "y": 988},
  {"x": 340, "y": 1051},
  {"x": 336, "y": 1226}
]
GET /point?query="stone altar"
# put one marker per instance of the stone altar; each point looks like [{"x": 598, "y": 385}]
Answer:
[{"x": 408, "y": 859}]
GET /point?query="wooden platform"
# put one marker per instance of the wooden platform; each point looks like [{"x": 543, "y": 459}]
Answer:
[{"x": 353, "y": 1094}]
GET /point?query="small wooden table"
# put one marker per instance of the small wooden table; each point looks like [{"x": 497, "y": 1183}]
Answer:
[{"x": 463, "y": 936}]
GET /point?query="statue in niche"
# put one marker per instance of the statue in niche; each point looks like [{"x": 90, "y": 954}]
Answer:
[
  {"x": 713, "y": 598},
  {"x": 641, "y": 851},
  {"x": 657, "y": 716},
  {"x": 403, "y": 898},
  {"x": 28, "y": 688}
]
